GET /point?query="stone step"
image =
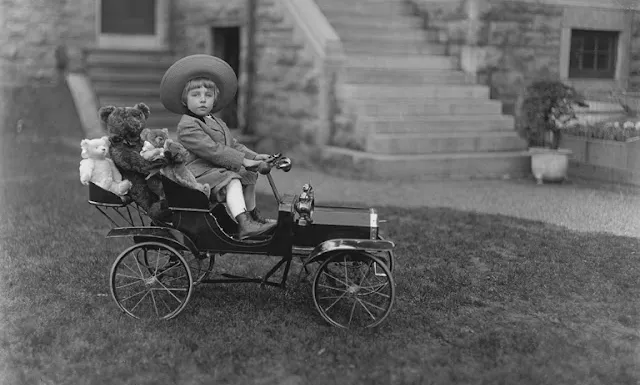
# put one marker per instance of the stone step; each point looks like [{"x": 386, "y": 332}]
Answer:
[
  {"x": 395, "y": 23},
  {"x": 356, "y": 75},
  {"x": 128, "y": 89},
  {"x": 444, "y": 142},
  {"x": 437, "y": 123},
  {"x": 424, "y": 107},
  {"x": 441, "y": 91},
  {"x": 393, "y": 48},
  {"x": 377, "y": 8},
  {"x": 119, "y": 59},
  {"x": 471, "y": 165},
  {"x": 100, "y": 75},
  {"x": 410, "y": 62},
  {"x": 417, "y": 36},
  {"x": 159, "y": 118}
]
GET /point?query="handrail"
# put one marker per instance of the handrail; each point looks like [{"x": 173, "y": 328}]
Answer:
[{"x": 319, "y": 33}]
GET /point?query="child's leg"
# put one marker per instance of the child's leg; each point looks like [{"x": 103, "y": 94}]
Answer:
[
  {"x": 236, "y": 205},
  {"x": 235, "y": 200},
  {"x": 250, "y": 199},
  {"x": 250, "y": 196}
]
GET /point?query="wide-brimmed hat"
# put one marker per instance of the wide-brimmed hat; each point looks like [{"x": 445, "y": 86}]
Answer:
[{"x": 196, "y": 66}]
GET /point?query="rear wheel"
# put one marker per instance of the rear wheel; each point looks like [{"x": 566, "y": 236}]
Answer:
[
  {"x": 353, "y": 289},
  {"x": 151, "y": 280}
]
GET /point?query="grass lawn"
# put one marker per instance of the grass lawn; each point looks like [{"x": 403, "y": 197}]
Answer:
[{"x": 481, "y": 299}]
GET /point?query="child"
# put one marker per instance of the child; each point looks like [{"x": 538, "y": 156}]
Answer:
[{"x": 197, "y": 86}]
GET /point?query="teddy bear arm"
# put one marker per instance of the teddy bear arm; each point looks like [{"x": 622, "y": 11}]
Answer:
[
  {"x": 86, "y": 170},
  {"x": 117, "y": 176}
]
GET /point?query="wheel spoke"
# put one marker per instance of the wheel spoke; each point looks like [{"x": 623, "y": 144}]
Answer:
[
  {"x": 363, "y": 302},
  {"x": 155, "y": 271},
  {"x": 365, "y": 308},
  {"x": 336, "y": 301},
  {"x": 136, "y": 305},
  {"x": 346, "y": 284},
  {"x": 138, "y": 279},
  {"x": 153, "y": 299},
  {"x": 332, "y": 288},
  {"x": 129, "y": 284},
  {"x": 140, "y": 270},
  {"x": 133, "y": 295},
  {"x": 167, "y": 289},
  {"x": 133, "y": 271},
  {"x": 353, "y": 309},
  {"x": 174, "y": 278}
]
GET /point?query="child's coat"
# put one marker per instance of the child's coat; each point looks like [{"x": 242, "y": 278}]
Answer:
[{"x": 215, "y": 156}]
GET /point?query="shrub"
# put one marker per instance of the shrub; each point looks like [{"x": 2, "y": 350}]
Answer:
[{"x": 544, "y": 110}]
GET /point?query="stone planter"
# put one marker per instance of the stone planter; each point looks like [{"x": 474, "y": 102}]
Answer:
[
  {"x": 604, "y": 160},
  {"x": 549, "y": 165}
]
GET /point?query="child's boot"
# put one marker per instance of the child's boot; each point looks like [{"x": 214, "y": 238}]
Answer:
[
  {"x": 255, "y": 215},
  {"x": 247, "y": 227}
]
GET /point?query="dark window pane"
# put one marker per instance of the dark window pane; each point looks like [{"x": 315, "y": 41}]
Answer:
[
  {"x": 603, "y": 62},
  {"x": 577, "y": 43},
  {"x": 128, "y": 17},
  {"x": 574, "y": 60},
  {"x": 604, "y": 43},
  {"x": 589, "y": 43},
  {"x": 588, "y": 61}
]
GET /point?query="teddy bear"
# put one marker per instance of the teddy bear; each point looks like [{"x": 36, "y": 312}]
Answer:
[
  {"x": 95, "y": 167},
  {"x": 124, "y": 126},
  {"x": 176, "y": 154},
  {"x": 153, "y": 146}
]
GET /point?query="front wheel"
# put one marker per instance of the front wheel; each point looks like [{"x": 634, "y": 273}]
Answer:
[
  {"x": 353, "y": 289},
  {"x": 151, "y": 280}
]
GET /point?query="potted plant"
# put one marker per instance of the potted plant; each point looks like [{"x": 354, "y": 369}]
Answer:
[{"x": 544, "y": 110}]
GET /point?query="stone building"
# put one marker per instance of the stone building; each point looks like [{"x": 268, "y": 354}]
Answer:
[{"x": 396, "y": 87}]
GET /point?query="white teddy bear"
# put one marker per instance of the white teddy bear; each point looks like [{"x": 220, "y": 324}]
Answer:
[{"x": 97, "y": 168}]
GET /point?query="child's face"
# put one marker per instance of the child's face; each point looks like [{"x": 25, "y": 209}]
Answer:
[{"x": 200, "y": 101}]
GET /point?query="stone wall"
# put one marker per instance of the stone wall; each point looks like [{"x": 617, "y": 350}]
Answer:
[
  {"x": 286, "y": 95},
  {"x": 634, "y": 67},
  {"x": 285, "y": 81},
  {"x": 32, "y": 30},
  {"x": 524, "y": 44},
  {"x": 510, "y": 42}
]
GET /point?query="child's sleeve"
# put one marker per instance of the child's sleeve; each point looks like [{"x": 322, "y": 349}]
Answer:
[
  {"x": 249, "y": 154},
  {"x": 194, "y": 139}
]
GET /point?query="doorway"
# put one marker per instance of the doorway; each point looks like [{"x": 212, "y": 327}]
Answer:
[{"x": 225, "y": 43}]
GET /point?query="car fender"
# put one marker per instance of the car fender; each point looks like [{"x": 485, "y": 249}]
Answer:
[
  {"x": 331, "y": 245},
  {"x": 172, "y": 237}
]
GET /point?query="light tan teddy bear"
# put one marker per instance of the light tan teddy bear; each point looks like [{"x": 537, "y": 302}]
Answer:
[{"x": 95, "y": 167}]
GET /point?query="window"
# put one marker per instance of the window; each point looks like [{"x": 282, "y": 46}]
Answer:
[{"x": 593, "y": 54}]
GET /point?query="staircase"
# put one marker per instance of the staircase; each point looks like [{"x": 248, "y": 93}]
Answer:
[
  {"x": 424, "y": 118},
  {"x": 124, "y": 78}
]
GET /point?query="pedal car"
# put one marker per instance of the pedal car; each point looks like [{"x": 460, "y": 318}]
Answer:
[{"x": 155, "y": 277}]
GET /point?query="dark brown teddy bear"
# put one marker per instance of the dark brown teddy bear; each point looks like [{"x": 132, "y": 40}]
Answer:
[{"x": 124, "y": 125}]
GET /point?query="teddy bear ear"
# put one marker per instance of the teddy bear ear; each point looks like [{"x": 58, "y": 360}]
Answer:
[
  {"x": 105, "y": 139},
  {"x": 166, "y": 131},
  {"x": 144, "y": 108},
  {"x": 104, "y": 112}
]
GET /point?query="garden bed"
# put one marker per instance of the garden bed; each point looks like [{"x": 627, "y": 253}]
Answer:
[{"x": 611, "y": 161}]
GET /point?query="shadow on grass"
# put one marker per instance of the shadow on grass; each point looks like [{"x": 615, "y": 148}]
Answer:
[{"x": 480, "y": 299}]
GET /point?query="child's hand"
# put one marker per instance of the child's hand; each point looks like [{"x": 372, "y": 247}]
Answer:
[
  {"x": 263, "y": 157},
  {"x": 250, "y": 163}
]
